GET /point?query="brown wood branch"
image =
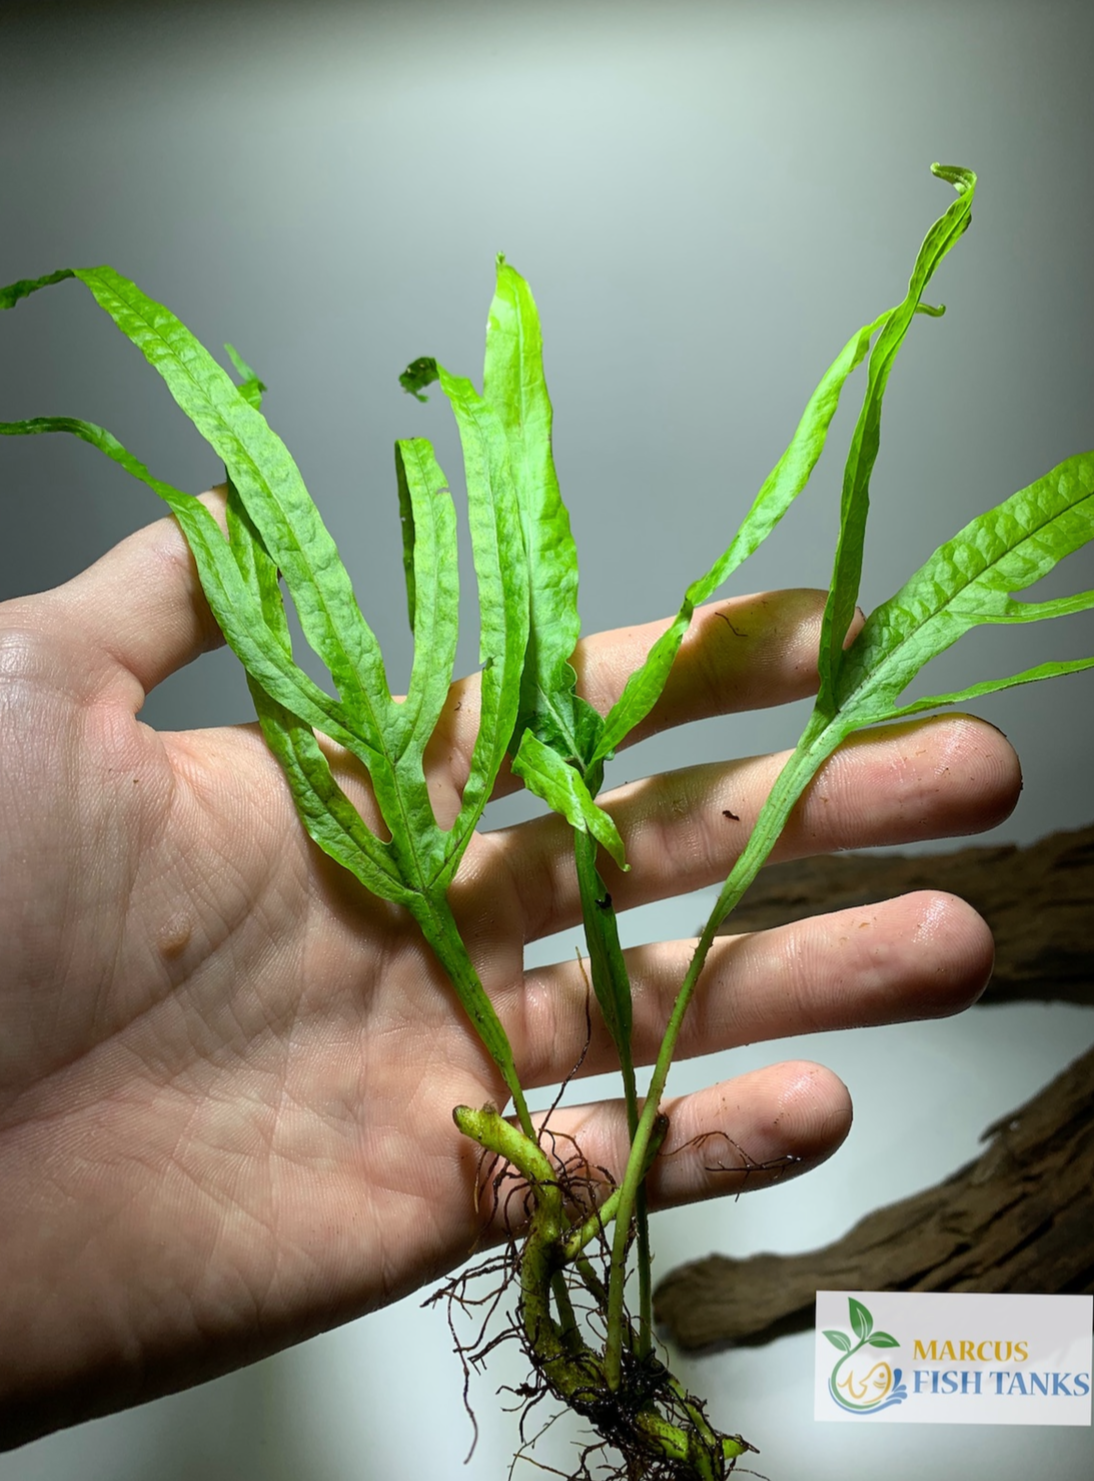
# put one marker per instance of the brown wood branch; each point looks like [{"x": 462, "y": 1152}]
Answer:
[{"x": 1020, "y": 1217}]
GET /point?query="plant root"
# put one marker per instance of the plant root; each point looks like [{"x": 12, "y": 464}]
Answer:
[
  {"x": 647, "y": 1426},
  {"x": 748, "y": 1166}
]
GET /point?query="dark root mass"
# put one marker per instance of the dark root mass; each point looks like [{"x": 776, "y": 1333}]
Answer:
[{"x": 646, "y": 1428}]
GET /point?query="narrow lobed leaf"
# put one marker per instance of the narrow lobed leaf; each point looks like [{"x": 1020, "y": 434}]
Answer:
[
  {"x": 236, "y": 610},
  {"x": 406, "y": 525},
  {"x": 866, "y": 439},
  {"x": 1052, "y": 670},
  {"x": 501, "y": 570},
  {"x": 433, "y": 589},
  {"x": 11, "y": 295},
  {"x": 779, "y": 490},
  {"x": 331, "y": 820},
  {"x": 515, "y": 386},
  {"x": 269, "y": 484},
  {"x": 258, "y": 570},
  {"x": 969, "y": 581}
]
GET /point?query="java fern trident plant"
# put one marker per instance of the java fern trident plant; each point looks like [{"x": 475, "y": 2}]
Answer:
[{"x": 577, "y": 1238}]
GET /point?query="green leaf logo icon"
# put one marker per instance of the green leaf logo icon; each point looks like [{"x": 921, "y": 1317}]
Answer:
[
  {"x": 861, "y": 1320},
  {"x": 867, "y": 1385}
]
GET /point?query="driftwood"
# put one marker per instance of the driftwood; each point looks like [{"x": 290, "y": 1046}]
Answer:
[{"x": 1021, "y": 1217}]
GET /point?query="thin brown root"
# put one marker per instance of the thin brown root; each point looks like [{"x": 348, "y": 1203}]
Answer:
[
  {"x": 747, "y": 1165},
  {"x": 648, "y": 1413}
]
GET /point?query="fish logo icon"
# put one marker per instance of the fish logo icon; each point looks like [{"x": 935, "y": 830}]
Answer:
[{"x": 860, "y": 1382}]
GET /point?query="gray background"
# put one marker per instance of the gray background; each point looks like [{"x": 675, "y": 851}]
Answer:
[{"x": 707, "y": 199}]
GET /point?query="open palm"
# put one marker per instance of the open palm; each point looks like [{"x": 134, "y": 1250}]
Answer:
[{"x": 226, "y": 1073}]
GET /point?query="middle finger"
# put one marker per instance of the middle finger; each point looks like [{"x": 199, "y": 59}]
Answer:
[{"x": 684, "y": 830}]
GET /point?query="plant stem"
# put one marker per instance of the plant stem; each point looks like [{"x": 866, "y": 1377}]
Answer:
[
  {"x": 439, "y": 928},
  {"x": 611, "y": 983},
  {"x": 598, "y": 1221},
  {"x": 821, "y": 737},
  {"x": 567, "y": 1321}
]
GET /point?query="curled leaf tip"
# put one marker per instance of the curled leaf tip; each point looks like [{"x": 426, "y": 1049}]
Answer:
[
  {"x": 419, "y": 374},
  {"x": 11, "y": 295},
  {"x": 253, "y": 387},
  {"x": 961, "y": 178},
  {"x": 241, "y": 365}
]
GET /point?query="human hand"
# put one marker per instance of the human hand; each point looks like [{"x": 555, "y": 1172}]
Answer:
[{"x": 226, "y": 1073}]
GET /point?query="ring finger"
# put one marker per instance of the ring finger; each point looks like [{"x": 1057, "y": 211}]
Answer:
[{"x": 924, "y": 955}]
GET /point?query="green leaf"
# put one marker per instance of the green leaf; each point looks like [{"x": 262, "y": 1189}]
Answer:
[
  {"x": 1050, "y": 670},
  {"x": 501, "y": 572},
  {"x": 393, "y": 871},
  {"x": 544, "y": 772},
  {"x": 270, "y": 488},
  {"x": 862, "y": 1323},
  {"x": 866, "y": 440},
  {"x": 274, "y": 527},
  {"x": 515, "y": 386},
  {"x": 240, "y": 582},
  {"x": 433, "y": 588},
  {"x": 406, "y": 524},
  {"x": 831, "y": 721},
  {"x": 840, "y": 1340},
  {"x": 258, "y": 571},
  {"x": 331, "y": 820},
  {"x": 883, "y": 1339},
  {"x": 329, "y": 817},
  {"x": 292, "y": 533},
  {"x": 779, "y": 490},
  {"x": 969, "y": 581}
]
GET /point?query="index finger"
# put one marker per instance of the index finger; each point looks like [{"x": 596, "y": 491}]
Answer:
[{"x": 745, "y": 653}]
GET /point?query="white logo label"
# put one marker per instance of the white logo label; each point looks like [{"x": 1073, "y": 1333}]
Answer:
[{"x": 952, "y": 1358}]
